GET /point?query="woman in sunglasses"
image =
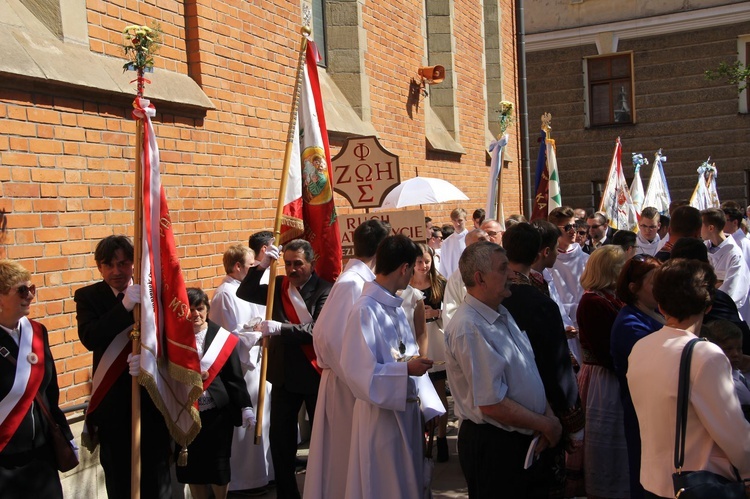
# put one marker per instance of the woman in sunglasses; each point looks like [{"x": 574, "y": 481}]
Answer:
[
  {"x": 638, "y": 318},
  {"x": 27, "y": 379}
]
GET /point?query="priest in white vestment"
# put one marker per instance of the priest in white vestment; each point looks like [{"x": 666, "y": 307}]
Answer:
[
  {"x": 251, "y": 464},
  {"x": 328, "y": 459},
  {"x": 382, "y": 368}
]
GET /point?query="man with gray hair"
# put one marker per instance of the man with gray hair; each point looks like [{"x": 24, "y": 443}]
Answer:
[{"x": 498, "y": 393}]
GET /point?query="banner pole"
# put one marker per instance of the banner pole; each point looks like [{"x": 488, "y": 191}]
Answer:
[
  {"x": 135, "y": 335},
  {"x": 305, "y": 31}
]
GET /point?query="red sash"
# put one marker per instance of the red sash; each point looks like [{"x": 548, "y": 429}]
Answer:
[
  {"x": 113, "y": 363},
  {"x": 216, "y": 356},
  {"x": 291, "y": 313},
  {"x": 28, "y": 378}
]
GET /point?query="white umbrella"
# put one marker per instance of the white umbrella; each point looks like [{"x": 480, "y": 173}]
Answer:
[{"x": 422, "y": 190}]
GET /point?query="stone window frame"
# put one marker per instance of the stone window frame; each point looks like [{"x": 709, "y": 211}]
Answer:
[
  {"x": 743, "y": 56},
  {"x": 588, "y": 83},
  {"x": 442, "y": 129},
  {"x": 344, "y": 81}
]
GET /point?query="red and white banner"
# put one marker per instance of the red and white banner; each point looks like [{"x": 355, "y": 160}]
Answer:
[
  {"x": 309, "y": 210},
  {"x": 616, "y": 201},
  {"x": 170, "y": 366}
]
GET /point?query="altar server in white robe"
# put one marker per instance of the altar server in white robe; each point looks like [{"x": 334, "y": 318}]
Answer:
[
  {"x": 567, "y": 270},
  {"x": 328, "y": 459},
  {"x": 251, "y": 464},
  {"x": 454, "y": 245},
  {"x": 726, "y": 258},
  {"x": 382, "y": 368}
]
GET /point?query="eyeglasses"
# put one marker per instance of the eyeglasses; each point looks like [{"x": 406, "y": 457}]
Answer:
[
  {"x": 492, "y": 233},
  {"x": 648, "y": 227},
  {"x": 582, "y": 233},
  {"x": 24, "y": 291},
  {"x": 566, "y": 227}
]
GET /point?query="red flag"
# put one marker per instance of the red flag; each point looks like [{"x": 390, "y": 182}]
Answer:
[
  {"x": 170, "y": 366},
  {"x": 309, "y": 210}
]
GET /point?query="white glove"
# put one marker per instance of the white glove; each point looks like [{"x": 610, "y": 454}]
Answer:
[
  {"x": 270, "y": 328},
  {"x": 75, "y": 448},
  {"x": 134, "y": 364},
  {"x": 272, "y": 253},
  {"x": 249, "y": 338},
  {"x": 132, "y": 296},
  {"x": 248, "y": 417}
]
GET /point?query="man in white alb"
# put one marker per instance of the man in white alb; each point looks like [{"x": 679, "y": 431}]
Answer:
[
  {"x": 454, "y": 244},
  {"x": 726, "y": 257},
  {"x": 567, "y": 270},
  {"x": 328, "y": 459},
  {"x": 382, "y": 367},
  {"x": 647, "y": 239}
]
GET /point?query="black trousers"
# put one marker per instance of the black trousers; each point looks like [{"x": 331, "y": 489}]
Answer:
[
  {"x": 114, "y": 445},
  {"x": 285, "y": 407},
  {"x": 492, "y": 460},
  {"x": 31, "y": 474}
]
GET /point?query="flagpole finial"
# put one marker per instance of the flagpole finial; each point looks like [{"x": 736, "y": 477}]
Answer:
[
  {"x": 306, "y": 30},
  {"x": 547, "y": 122}
]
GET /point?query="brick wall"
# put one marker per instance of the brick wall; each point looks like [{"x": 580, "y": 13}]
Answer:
[
  {"x": 66, "y": 159},
  {"x": 677, "y": 110}
]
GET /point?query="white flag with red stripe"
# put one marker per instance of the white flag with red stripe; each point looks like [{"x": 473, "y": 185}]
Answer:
[
  {"x": 170, "y": 366},
  {"x": 616, "y": 201}
]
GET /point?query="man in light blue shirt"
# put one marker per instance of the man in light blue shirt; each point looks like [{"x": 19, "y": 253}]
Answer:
[{"x": 498, "y": 393}]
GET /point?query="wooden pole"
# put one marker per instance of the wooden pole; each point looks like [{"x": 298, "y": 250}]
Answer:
[
  {"x": 135, "y": 335},
  {"x": 277, "y": 229}
]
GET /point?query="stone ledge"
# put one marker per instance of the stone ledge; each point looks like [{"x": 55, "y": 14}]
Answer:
[{"x": 32, "y": 57}]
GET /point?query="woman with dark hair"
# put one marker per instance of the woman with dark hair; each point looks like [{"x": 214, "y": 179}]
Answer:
[
  {"x": 27, "y": 379},
  {"x": 717, "y": 435},
  {"x": 223, "y": 405},
  {"x": 432, "y": 285},
  {"x": 604, "y": 449},
  {"x": 638, "y": 318}
]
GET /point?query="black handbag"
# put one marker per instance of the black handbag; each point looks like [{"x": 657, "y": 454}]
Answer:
[{"x": 696, "y": 484}]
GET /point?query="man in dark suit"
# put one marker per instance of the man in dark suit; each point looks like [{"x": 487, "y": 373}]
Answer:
[
  {"x": 600, "y": 233},
  {"x": 292, "y": 367},
  {"x": 105, "y": 317},
  {"x": 539, "y": 316}
]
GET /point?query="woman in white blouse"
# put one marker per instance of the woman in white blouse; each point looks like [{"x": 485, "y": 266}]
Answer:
[{"x": 718, "y": 437}]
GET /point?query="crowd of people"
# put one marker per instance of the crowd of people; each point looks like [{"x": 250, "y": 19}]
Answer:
[{"x": 558, "y": 340}]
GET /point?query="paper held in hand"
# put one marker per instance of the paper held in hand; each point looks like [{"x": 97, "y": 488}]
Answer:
[{"x": 531, "y": 455}]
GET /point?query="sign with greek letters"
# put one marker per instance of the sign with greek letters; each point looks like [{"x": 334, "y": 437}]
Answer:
[{"x": 364, "y": 172}]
